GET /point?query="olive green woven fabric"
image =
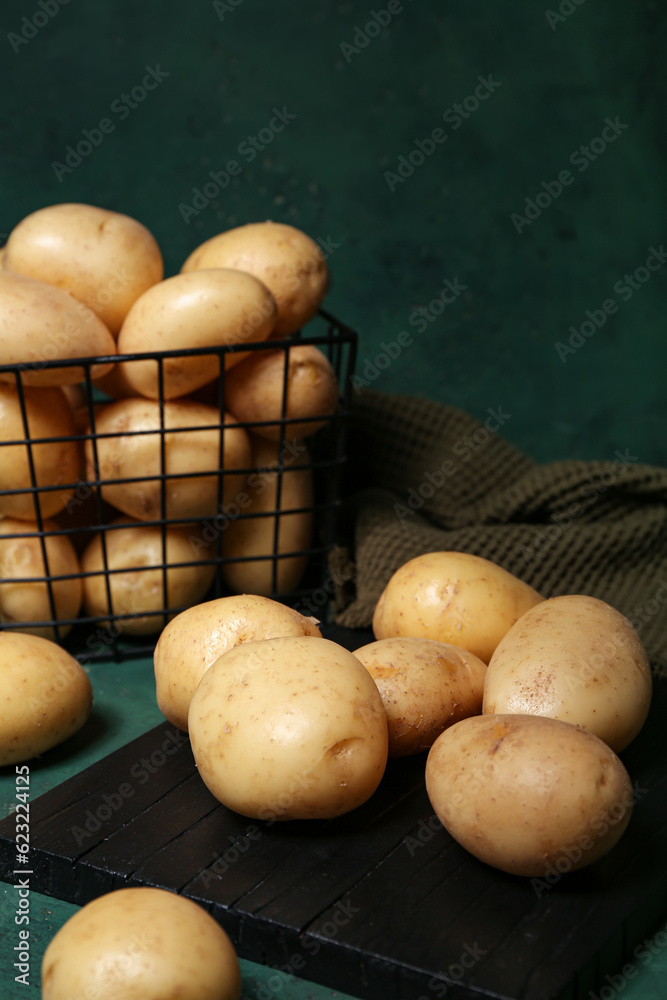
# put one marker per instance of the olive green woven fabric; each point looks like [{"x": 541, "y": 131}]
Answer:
[{"x": 425, "y": 477}]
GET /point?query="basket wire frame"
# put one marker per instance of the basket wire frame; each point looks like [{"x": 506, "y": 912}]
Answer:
[{"x": 101, "y": 638}]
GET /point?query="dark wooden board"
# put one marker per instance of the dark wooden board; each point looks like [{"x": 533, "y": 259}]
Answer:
[{"x": 379, "y": 903}]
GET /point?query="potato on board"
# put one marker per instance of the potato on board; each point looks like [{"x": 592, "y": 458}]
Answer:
[
  {"x": 289, "y": 728},
  {"x": 426, "y": 686},
  {"x": 529, "y": 795},
  {"x": 574, "y": 658},
  {"x": 198, "y": 636},
  {"x": 454, "y": 597}
]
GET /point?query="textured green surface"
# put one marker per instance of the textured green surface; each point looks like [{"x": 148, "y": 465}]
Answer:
[{"x": 356, "y": 114}]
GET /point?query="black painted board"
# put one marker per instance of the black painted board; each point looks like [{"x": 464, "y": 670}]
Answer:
[{"x": 381, "y": 902}]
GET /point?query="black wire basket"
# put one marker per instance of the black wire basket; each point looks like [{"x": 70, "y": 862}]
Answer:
[{"x": 118, "y": 631}]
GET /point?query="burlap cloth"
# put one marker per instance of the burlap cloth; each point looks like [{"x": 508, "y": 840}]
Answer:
[{"x": 424, "y": 477}]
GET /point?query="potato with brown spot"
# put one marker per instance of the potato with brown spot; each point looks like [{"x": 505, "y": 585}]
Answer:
[
  {"x": 300, "y": 381},
  {"x": 527, "y": 794},
  {"x": 45, "y": 696},
  {"x": 55, "y": 462},
  {"x": 574, "y": 658},
  {"x": 24, "y": 591},
  {"x": 453, "y": 597},
  {"x": 289, "y": 728},
  {"x": 218, "y": 307},
  {"x": 141, "y": 943},
  {"x": 186, "y": 438},
  {"x": 252, "y": 535},
  {"x": 104, "y": 259},
  {"x": 285, "y": 259},
  {"x": 40, "y": 323},
  {"x": 135, "y": 554},
  {"x": 425, "y": 685},
  {"x": 198, "y": 636}
]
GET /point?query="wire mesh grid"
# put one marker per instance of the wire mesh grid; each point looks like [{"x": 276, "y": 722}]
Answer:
[{"x": 102, "y": 583}]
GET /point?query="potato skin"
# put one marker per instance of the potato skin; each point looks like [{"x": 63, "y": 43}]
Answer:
[
  {"x": 133, "y": 547},
  {"x": 245, "y": 537},
  {"x": 49, "y": 416},
  {"x": 23, "y": 558},
  {"x": 289, "y": 728},
  {"x": 425, "y": 685},
  {"x": 577, "y": 659},
  {"x": 198, "y": 636},
  {"x": 103, "y": 258},
  {"x": 130, "y": 452},
  {"x": 208, "y": 308},
  {"x": 142, "y": 943},
  {"x": 254, "y": 391},
  {"x": 453, "y": 597},
  {"x": 288, "y": 261},
  {"x": 527, "y": 794},
  {"x": 39, "y": 323},
  {"x": 46, "y": 696}
]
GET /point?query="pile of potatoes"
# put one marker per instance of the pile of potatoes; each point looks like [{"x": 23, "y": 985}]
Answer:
[
  {"x": 177, "y": 438},
  {"x": 522, "y": 705}
]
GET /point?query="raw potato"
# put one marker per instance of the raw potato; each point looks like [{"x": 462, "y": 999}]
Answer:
[
  {"x": 40, "y": 323},
  {"x": 198, "y": 636},
  {"x": 134, "y": 453},
  {"x": 104, "y": 259},
  {"x": 425, "y": 685},
  {"x": 55, "y": 462},
  {"x": 289, "y": 728},
  {"x": 289, "y": 263},
  {"x": 529, "y": 795},
  {"x": 245, "y": 537},
  {"x": 255, "y": 390},
  {"x": 26, "y": 599},
  {"x": 46, "y": 696},
  {"x": 573, "y": 658},
  {"x": 141, "y": 944},
  {"x": 136, "y": 548},
  {"x": 210, "y": 308},
  {"x": 453, "y": 597}
]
